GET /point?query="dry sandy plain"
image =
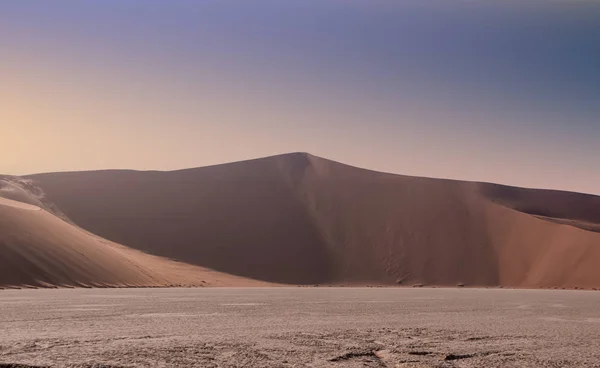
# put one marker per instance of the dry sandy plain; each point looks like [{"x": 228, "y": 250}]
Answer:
[{"x": 299, "y": 327}]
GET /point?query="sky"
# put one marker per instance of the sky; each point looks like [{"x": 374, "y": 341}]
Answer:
[{"x": 494, "y": 91}]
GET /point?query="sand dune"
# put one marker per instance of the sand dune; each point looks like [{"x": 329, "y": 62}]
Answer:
[
  {"x": 301, "y": 219},
  {"x": 39, "y": 249}
]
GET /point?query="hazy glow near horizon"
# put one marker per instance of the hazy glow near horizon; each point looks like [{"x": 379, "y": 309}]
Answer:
[{"x": 485, "y": 91}]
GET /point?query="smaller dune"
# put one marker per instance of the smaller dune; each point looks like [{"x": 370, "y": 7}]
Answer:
[{"x": 38, "y": 249}]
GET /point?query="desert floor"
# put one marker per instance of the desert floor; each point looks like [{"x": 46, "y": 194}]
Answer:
[{"x": 299, "y": 327}]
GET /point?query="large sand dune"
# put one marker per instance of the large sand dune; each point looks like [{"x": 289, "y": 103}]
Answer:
[{"x": 301, "y": 219}]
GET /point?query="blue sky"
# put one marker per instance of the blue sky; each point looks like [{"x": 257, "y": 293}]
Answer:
[{"x": 479, "y": 90}]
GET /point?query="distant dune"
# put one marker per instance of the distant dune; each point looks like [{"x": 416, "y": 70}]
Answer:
[
  {"x": 300, "y": 219},
  {"x": 38, "y": 249}
]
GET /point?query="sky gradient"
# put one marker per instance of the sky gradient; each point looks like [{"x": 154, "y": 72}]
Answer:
[{"x": 487, "y": 91}]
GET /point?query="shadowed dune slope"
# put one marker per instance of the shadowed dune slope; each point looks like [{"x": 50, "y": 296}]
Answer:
[
  {"x": 241, "y": 218},
  {"x": 301, "y": 219},
  {"x": 38, "y": 249}
]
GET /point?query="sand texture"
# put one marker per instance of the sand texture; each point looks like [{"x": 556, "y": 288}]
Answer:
[{"x": 324, "y": 327}]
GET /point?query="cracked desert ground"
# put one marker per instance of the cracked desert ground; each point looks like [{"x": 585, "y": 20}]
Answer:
[{"x": 299, "y": 327}]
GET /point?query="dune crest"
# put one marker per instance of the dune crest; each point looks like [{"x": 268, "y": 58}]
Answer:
[{"x": 16, "y": 204}]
